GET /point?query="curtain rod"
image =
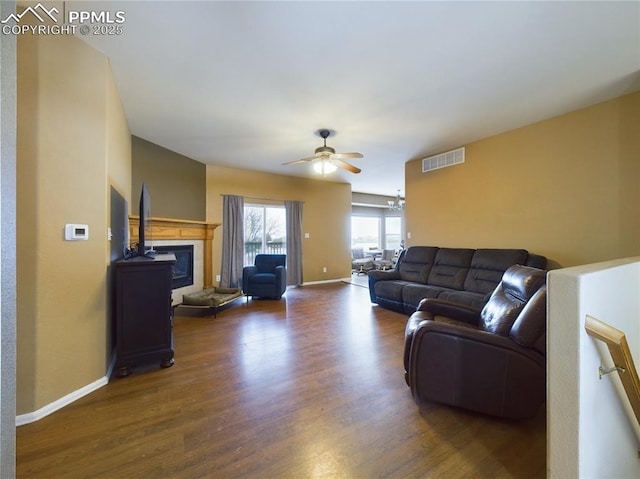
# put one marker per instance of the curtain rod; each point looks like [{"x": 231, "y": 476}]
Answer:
[{"x": 259, "y": 198}]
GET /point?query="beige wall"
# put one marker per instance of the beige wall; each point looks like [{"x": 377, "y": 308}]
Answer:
[
  {"x": 326, "y": 215},
  {"x": 72, "y": 144},
  {"x": 566, "y": 188},
  {"x": 176, "y": 183},
  {"x": 118, "y": 142}
]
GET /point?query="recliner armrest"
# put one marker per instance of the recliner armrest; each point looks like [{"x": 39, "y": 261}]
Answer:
[
  {"x": 474, "y": 369},
  {"x": 482, "y": 338},
  {"x": 457, "y": 311}
]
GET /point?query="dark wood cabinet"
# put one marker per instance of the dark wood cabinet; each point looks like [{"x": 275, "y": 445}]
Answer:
[{"x": 143, "y": 312}]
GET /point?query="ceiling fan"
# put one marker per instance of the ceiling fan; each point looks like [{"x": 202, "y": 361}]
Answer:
[{"x": 327, "y": 160}]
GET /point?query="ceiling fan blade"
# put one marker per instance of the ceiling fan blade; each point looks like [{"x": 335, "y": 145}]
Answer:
[
  {"x": 347, "y": 155},
  {"x": 303, "y": 160},
  {"x": 345, "y": 165}
]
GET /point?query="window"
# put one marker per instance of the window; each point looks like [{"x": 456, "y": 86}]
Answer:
[
  {"x": 264, "y": 231},
  {"x": 365, "y": 232},
  {"x": 392, "y": 232}
]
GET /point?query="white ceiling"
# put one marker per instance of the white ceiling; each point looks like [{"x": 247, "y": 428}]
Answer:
[{"x": 247, "y": 84}]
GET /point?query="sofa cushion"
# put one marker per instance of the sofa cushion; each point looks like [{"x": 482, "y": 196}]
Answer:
[
  {"x": 391, "y": 290},
  {"x": 488, "y": 266},
  {"x": 412, "y": 293},
  {"x": 536, "y": 261},
  {"x": 450, "y": 267},
  {"x": 416, "y": 263},
  {"x": 477, "y": 300}
]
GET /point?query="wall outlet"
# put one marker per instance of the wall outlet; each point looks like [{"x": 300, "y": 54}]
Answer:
[
  {"x": 324, "y": 269},
  {"x": 218, "y": 277}
]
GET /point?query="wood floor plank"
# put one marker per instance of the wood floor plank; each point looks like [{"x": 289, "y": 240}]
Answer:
[{"x": 310, "y": 386}]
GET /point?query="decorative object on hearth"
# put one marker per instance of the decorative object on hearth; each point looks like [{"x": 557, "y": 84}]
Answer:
[
  {"x": 397, "y": 204},
  {"x": 327, "y": 160}
]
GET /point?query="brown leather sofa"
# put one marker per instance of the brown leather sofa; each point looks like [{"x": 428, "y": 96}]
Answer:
[
  {"x": 490, "y": 360},
  {"x": 460, "y": 275}
]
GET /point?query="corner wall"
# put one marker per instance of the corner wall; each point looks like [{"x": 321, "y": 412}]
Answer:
[
  {"x": 177, "y": 184},
  {"x": 591, "y": 430},
  {"x": 566, "y": 188}
]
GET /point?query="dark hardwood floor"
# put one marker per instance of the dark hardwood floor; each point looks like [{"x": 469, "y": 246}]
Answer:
[{"x": 310, "y": 386}]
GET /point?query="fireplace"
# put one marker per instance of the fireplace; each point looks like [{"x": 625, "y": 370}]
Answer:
[{"x": 183, "y": 268}]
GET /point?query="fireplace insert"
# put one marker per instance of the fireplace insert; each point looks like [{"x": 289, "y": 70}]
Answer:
[{"x": 183, "y": 267}]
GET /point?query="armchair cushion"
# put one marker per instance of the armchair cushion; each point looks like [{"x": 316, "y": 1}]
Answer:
[
  {"x": 529, "y": 329},
  {"x": 518, "y": 285}
]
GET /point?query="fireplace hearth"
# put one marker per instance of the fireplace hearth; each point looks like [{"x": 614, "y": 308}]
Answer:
[{"x": 183, "y": 268}]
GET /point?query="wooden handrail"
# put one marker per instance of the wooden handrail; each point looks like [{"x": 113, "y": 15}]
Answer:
[{"x": 622, "y": 359}]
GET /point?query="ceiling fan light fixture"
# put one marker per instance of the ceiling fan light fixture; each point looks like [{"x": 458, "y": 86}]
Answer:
[
  {"x": 326, "y": 160},
  {"x": 324, "y": 167},
  {"x": 325, "y": 150}
]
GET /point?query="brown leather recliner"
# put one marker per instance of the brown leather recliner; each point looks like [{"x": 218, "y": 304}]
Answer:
[{"x": 490, "y": 360}]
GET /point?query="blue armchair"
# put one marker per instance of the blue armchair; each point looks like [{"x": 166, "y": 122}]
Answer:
[{"x": 267, "y": 278}]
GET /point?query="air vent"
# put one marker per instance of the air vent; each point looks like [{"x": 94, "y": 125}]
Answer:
[{"x": 450, "y": 158}]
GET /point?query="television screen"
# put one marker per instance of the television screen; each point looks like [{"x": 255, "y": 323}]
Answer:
[{"x": 144, "y": 233}]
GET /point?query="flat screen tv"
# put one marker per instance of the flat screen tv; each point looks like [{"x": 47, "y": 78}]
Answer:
[{"x": 144, "y": 232}]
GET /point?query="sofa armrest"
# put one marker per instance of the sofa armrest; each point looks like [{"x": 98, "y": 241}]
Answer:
[
  {"x": 384, "y": 275},
  {"x": 457, "y": 311},
  {"x": 375, "y": 276}
]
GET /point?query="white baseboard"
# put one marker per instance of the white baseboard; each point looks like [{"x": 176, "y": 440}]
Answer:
[
  {"x": 30, "y": 417},
  {"x": 60, "y": 403},
  {"x": 326, "y": 281}
]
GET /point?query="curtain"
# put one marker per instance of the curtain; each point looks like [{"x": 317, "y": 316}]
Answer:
[
  {"x": 232, "y": 241},
  {"x": 294, "y": 242}
]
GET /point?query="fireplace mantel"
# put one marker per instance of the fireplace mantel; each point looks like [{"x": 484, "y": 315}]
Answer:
[{"x": 175, "y": 229}]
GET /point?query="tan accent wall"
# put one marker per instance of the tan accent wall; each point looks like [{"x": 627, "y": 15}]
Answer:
[
  {"x": 567, "y": 188},
  {"x": 118, "y": 143},
  {"x": 73, "y": 145},
  {"x": 326, "y": 215},
  {"x": 176, "y": 183}
]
